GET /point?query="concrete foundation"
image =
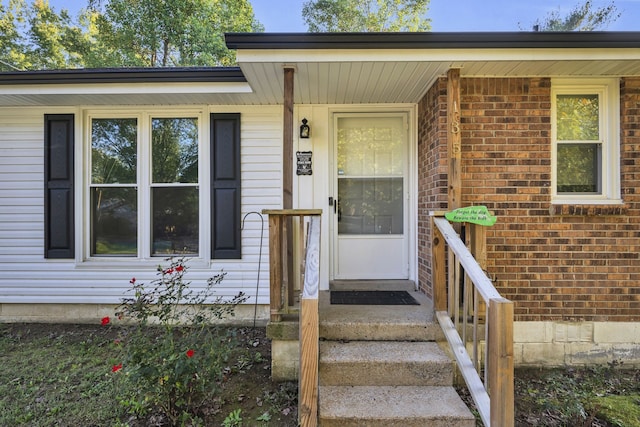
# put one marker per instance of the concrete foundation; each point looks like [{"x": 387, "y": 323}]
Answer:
[
  {"x": 92, "y": 313},
  {"x": 285, "y": 350},
  {"x": 576, "y": 343}
]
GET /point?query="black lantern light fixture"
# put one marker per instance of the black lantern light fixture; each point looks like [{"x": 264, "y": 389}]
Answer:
[{"x": 305, "y": 130}]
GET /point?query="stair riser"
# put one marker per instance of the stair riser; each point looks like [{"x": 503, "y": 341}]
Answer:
[
  {"x": 378, "y": 332},
  {"x": 415, "y": 374}
]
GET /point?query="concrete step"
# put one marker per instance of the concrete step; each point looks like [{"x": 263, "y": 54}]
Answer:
[
  {"x": 378, "y": 322},
  {"x": 403, "y": 406},
  {"x": 384, "y": 363}
]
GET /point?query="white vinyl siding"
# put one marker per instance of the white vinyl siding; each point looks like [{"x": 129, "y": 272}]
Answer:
[{"x": 27, "y": 277}]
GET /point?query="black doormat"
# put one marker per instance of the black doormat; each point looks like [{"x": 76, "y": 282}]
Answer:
[{"x": 373, "y": 298}]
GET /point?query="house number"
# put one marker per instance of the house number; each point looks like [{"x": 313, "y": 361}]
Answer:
[{"x": 455, "y": 122}]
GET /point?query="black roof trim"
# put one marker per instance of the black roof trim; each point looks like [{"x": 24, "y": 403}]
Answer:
[
  {"x": 442, "y": 40},
  {"x": 125, "y": 75}
]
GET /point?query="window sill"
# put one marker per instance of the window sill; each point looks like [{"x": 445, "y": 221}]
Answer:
[
  {"x": 117, "y": 264},
  {"x": 586, "y": 209}
]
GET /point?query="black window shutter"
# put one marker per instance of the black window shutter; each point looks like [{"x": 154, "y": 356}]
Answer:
[
  {"x": 58, "y": 186},
  {"x": 225, "y": 186}
]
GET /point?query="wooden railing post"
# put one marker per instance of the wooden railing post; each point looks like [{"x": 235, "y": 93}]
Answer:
[
  {"x": 275, "y": 266},
  {"x": 280, "y": 264},
  {"x": 438, "y": 269},
  {"x": 500, "y": 362},
  {"x": 478, "y": 247},
  {"x": 309, "y": 331}
]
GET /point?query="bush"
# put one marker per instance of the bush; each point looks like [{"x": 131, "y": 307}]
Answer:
[{"x": 170, "y": 355}]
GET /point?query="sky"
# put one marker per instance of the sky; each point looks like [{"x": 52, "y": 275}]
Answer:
[{"x": 446, "y": 15}]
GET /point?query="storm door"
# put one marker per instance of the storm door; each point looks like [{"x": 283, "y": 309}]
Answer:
[{"x": 369, "y": 239}]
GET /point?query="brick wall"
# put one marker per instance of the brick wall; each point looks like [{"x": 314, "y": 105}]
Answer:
[
  {"x": 555, "y": 262},
  {"x": 432, "y": 172}
]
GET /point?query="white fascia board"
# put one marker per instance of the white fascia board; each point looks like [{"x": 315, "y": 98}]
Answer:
[
  {"x": 433, "y": 55},
  {"x": 125, "y": 88}
]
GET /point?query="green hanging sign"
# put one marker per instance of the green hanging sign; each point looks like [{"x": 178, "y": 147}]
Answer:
[{"x": 474, "y": 214}]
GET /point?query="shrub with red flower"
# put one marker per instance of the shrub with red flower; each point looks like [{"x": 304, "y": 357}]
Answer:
[{"x": 160, "y": 377}]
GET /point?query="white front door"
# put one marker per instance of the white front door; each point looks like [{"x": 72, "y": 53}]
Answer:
[{"x": 369, "y": 238}]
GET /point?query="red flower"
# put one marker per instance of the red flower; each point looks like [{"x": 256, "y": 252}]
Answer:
[
  {"x": 168, "y": 271},
  {"x": 132, "y": 281},
  {"x": 179, "y": 268},
  {"x": 116, "y": 368},
  {"x": 105, "y": 320},
  {"x": 190, "y": 353}
]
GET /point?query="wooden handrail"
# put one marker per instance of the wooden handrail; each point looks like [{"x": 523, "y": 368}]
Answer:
[
  {"x": 478, "y": 298},
  {"x": 309, "y": 330},
  {"x": 281, "y": 289}
]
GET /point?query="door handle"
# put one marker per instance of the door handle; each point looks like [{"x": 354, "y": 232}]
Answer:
[{"x": 333, "y": 202}]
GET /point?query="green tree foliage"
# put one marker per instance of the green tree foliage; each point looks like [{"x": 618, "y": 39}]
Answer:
[
  {"x": 121, "y": 33},
  {"x": 55, "y": 40},
  {"x": 11, "y": 56},
  {"x": 366, "y": 15},
  {"x": 164, "y": 33},
  {"x": 582, "y": 18}
]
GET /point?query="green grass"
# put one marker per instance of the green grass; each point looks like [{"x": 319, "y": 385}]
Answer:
[
  {"x": 55, "y": 378},
  {"x": 60, "y": 375},
  {"x": 620, "y": 411},
  {"x": 605, "y": 394}
]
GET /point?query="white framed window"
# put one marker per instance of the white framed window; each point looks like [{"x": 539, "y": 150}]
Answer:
[
  {"x": 585, "y": 123},
  {"x": 144, "y": 195}
]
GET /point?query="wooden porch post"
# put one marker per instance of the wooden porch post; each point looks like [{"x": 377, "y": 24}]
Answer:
[
  {"x": 287, "y": 176},
  {"x": 454, "y": 139}
]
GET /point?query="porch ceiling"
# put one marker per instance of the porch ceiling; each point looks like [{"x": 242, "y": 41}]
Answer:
[
  {"x": 345, "y": 68},
  {"x": 406, "y": 81}
]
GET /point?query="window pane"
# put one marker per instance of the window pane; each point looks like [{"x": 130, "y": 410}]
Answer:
[
  {"x": 114, "y": 219},
  {"x": 370, "y": 146},
  {"x": 113, "y": 151},
  {"x": 175, "y": 220},
  {"x": 175, "y": 150},
  {"x": 578, "y": 168},
  {"x": 578, "y": 117},
  {"x": 370, "y": 206}
]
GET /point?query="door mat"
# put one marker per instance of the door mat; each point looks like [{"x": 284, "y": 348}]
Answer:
[{"x": 372, "y": 298}]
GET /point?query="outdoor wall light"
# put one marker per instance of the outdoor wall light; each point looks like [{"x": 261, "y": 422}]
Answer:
[{"x": 305, "y": 130}]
